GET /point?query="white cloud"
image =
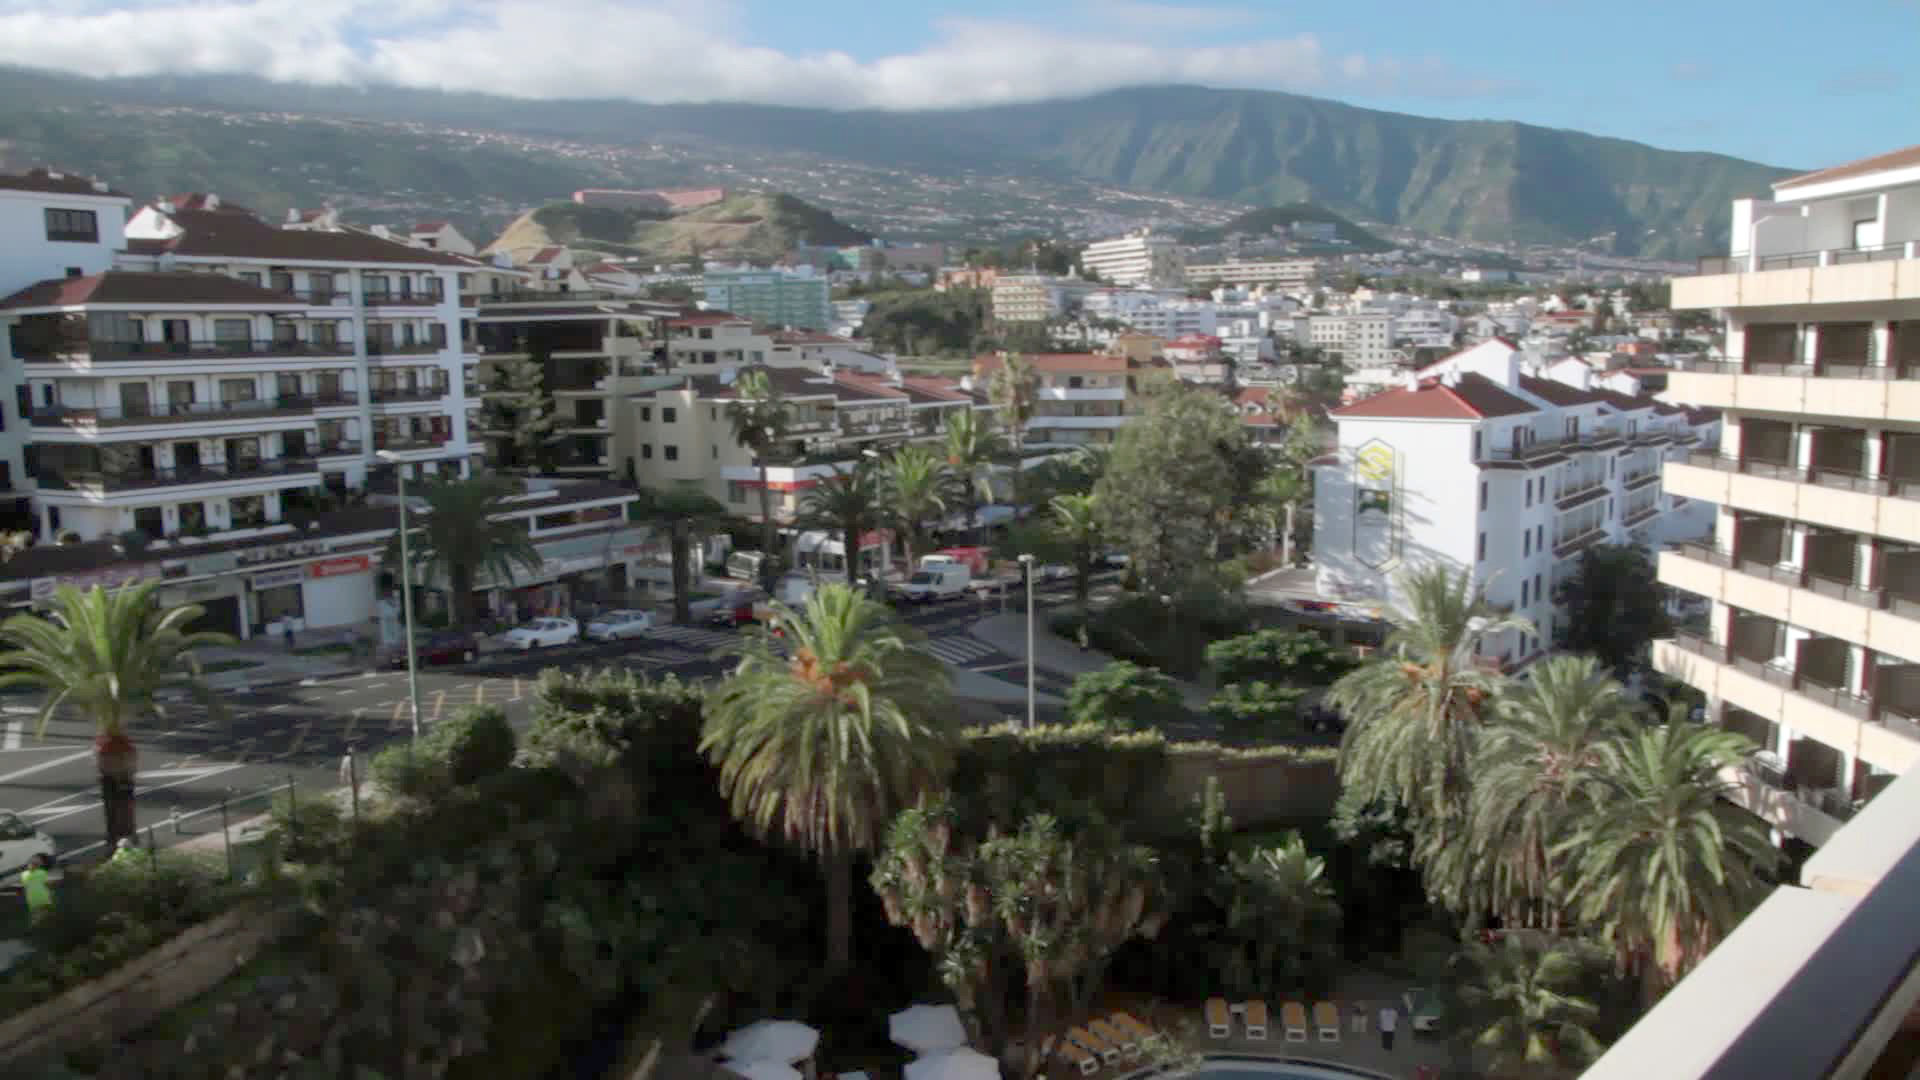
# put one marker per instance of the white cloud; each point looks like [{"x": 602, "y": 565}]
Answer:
[{"x": 680, "y": 51}]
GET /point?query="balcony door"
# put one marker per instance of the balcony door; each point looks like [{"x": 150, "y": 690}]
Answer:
[
  {"x": 1832, "y": 555},
  {"x": 1823, "y": 661},
  {"x": 176, "y": 333},
  {"x": 135, "y": 400},
  {"x": 186, "y": 456},
  {"x": 243, "y": 452}
]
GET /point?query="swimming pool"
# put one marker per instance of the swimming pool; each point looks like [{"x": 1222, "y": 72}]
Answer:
[{"x": 1248, "y": 1068}]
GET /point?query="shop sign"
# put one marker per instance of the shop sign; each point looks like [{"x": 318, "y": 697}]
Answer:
[
  {"x": 274, "y": 579},
  {"x": 112, "y": 577},
  {"x": 340, "y": 566},
  {"x": 218, "y": 562}
]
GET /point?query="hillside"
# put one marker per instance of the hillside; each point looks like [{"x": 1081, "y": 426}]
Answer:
[
  {"x": 748, "y": 225},
  {"x": 1477, "y": 180},
  {"x": 1262, "y": 222}
]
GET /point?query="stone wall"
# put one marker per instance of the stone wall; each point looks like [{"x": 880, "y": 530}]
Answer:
[{"x": 1260, "y": 791}]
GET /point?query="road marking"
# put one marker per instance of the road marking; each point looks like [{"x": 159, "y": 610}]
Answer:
[
  {"x": 44, "y": 766},
  {"x": 397, "y": 723},
  {"x": 16, "y": 729},
  {"x": 349, "y": 690},
  {"x": 1000, "y": 667},
  {"x": 516, "y": 689},
  {"x": 479, "y": 693},
  {"x": 277, "y": 708},
  {"x": 199, "y": 774},
  {"x": 299, "y": 740},
  {"x": 439, "y": 702},
  {"x": 246, "y": 747}
]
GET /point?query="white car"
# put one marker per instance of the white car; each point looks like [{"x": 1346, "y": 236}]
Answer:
[
  {"x": 542, "y": 632},
  {"x": 19, "y": 843},
  {"x": 612, "y": 625},
  {"x": 1053, "y": 572}
]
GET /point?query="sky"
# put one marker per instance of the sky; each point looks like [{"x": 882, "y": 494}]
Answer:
[{"x": 1786, "y": 85}]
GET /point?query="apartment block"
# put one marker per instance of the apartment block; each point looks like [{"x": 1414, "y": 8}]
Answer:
[
  {"x": 1475, "y": 463},
  {"x": 1287, "y": 275},
  {"x": 1081, "y": 397},
  {"x": 1813, "y": 570},
  {"x": 777, "y": 298},
  {"x": 1141, "y": 258},
  {"x": 1027, "y": 298}
]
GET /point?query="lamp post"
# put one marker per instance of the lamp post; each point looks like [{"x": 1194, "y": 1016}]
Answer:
[
  {"x": 406, "y": 592},
  {"x": 1026, "y": 564}
]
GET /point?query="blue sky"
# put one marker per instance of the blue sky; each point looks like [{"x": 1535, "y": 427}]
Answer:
[{"x": 1788, "y": 85}]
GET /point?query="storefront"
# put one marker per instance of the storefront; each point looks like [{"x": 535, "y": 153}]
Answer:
[
  {"x": 576, "y": 575},
  {"x": 220, "y": 599},
  {"x": 331, "y": 592}
]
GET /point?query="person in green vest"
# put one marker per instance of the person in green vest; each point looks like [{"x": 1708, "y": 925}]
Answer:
[
  {"x": 39, "y": 891},
  {"x": 124, "y": 853}
]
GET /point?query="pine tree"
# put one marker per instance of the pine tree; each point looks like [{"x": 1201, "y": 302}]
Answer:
[{"x": 523, "y": 409}]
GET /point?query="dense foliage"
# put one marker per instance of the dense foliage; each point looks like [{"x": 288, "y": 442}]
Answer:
[
  {"x": 1613, "y": 606},
  {"x": 1123, "y": 697}
]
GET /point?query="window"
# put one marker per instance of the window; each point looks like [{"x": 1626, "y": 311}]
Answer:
[
  {"x": 1573, "y": 427},
  {"x": 736, "y": 491},
  {"x": 1526, "y": 543},
  {"x": 1476, "y": 446},
  {"x": 1524, "y": 596},
  {"x": 1540, "y": 537},
  {"x": 1537, "y": 592},
  {"x": 1612, "y": 466},
  {"x": 706, "y": 333},
  {"x": 251, "y": 277},
  {"x": 1529, "y": 491},
  {"x": 1483, "y": 494},
  {"x": 375, "y": 285},
  {"x": 646, "y": 414},
  {"x": 74, "y": 271},
  {"x": 716, "y": 451},
  {"x": 646, "y": 451},
  {"x": 673, "y": 453},
  {"x": 668, "y": 415},
  {"x": 73, "y": 226},
  {"x": 232, "y": 331},
  {"x": 1481, "y": 549}
]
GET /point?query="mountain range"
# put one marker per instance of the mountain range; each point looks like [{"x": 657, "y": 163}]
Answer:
[{"x": 282, "y": 144}]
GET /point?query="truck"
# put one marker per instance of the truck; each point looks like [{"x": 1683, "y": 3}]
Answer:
[
  {"x": 938, "y": 577},
  {"x": 792, "y": 590}
]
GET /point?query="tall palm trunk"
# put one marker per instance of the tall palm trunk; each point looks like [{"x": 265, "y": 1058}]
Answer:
[
  {"x": 460, "y": 603},
  {"x": 682, "y": 606},
  {"x": 769, "y": 532},
  {"x": 115, "y": 758},
  {"x": 839, "y": 870}
]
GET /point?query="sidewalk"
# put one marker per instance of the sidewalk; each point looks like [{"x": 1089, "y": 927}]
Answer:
[
  {"x": 978, "y": 687},
  {"x": 251, "y": 664},
  {"x": 1008, "y": 634}
]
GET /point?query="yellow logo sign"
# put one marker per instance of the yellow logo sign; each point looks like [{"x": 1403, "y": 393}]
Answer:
[{"x": 1374, "y": 465}]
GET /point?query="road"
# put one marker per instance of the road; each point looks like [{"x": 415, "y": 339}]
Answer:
[{"x": 263, "y": 741}]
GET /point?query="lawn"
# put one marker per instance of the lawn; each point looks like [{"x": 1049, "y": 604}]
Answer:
[{"x": 219, "y": 666}]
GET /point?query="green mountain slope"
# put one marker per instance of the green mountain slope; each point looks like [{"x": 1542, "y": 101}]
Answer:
[
  {"x": 1261, "y": 222},
  {"x": 748, "y": 225}
]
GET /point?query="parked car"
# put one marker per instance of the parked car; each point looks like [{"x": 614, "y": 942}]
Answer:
[
  {"x": 938, "y": 578},
  {"x": 746, "y": 565},
  {"x": 1425, "y": 1012},
  {"x": 438, "y": 647},
  {"x": 19, "y": 843},
  {"x": 1053, "y": 572},
  {"x": 738, "y": 607},
  {"x": 624, "y": 623},
  {"x": 542, "y": 632}
]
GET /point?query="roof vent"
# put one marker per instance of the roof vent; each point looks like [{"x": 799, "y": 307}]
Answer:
[
  {"x": 100, "y": 186},
  {"x": 52, "y": 175}
]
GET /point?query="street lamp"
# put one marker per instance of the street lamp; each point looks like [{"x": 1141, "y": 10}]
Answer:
[
  {"x": 1026, "y": 563},
  {"x": 406, "y": 590}
]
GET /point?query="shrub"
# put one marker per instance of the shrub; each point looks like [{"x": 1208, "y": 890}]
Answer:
[
  {"x": 1301, "y": 657},
  {"x": 1258, "y": 710},
  {"x": 405, "y": 772},
  {"x": 475, "y": 743},
  {"x": 1123, "y": 697},
  {"x": 306, "y": 828}
]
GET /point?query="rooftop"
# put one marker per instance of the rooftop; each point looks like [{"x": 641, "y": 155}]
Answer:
[
  {"x": 229, "y": 232},
  {"x": 1867, "y": 166},
  {"x": 1058, "y": 362},
  {"x": 1472, "y": 397},
  {"x": 52, "y": 182},
  {"x": 145, "y": 287}
]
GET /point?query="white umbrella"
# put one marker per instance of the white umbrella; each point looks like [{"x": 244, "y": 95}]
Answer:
[
  {"x": 925, "y": 1029},
  {"x": 782, "y": 1041},
  {"x": 961, "y": 1063},
  {"x": 764, "y": 1070}
]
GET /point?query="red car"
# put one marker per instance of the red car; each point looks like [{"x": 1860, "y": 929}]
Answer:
[
  {"x": 736, "y": 609},
  {"x": 440, "y": 647}
]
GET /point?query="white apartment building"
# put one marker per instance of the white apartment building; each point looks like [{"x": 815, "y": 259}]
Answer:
[
  {"x": 1359, "y": 340},
  {"x": 1424, "y": 326},
  {"x": 1162, "y": 314},
  {"x": 1287, "y": 275},
  {"x": 1081, "y": 397},
  {"x": 1027, "y": 298},
  {"x": 1141, "y": 258},
  {"x": 1474, "y": 463},
  {"x": 1813, "y": 569}
]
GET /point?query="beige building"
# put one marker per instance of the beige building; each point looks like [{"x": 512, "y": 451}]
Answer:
[
  {"x": 1288, "y": 275},
  {"x": 1812, "y": 647}
]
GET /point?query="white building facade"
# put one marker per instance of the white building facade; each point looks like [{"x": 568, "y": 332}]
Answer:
[{"x": 1141, "y": 258}]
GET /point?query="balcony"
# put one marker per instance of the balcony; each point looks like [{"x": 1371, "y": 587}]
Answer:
[
  {"x": 427, "y": 441},
  {"x": 394, "y": 395},
  {"x": 1831, "y": 276},
  {"x": 394, "y": 299},
  {"x": 338, "y": 448},
  {"x": 319, "y": 297},
  {"x": 397, "y": 348},
  {"x": 1877, "y": 732},
  {"x": 1645, "y": 513},
  {"x": 857, "y": 428},
  {"x": 1763, "y": 787},
  {"x": 1546, "y": 448},
  {"x": 1578, "y": 542},
  {"x": 334, "y": 399},
  {"x": 74, "y": 416},
  {"x": 1579, "y": 494},
  {"x": 1887, "y": 506},
  {"x": 1878, "y": 618},
  {"x": 1847, "y": 387},
  {"x": 137, "y": 479},
  {"x": 1634, "y": 481},
  {"x": 162, "y": 351}
]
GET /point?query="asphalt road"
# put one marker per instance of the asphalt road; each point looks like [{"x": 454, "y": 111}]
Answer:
[{"x": 299, "y": 735}]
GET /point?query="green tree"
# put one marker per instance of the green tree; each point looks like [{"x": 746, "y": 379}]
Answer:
[
  {"x": 520, "y": 405},
  {"x": 470, "y": 745},
  {"x": 1123, "y": 697},
  {"x": 1415, "y": 708},
  {"x": 1258, "y": 709},
  {"x": 1614, "y": 607},
  {"x": 849, "y": 500},
  {"x": 1663, "y": 865},
  {"x": 463, "y": 533},
  {"x": 913, "y": 482},
  {"x": 1536, "y": 770},
  {"x": 1013, "y": 387},
  {"x": 1523, "y": 1009},
  {"x": 1301, "y": 657},
  {"x": 685, "y": 516},
  {"x": 1077, "y": 523},
  {"x": 971, "y": 450},
  {"x": 108, "y": 655},
  {"x": 824, "y": 744},
  {"x": 1175, "y": 488},
  {"x": 760, "y": 422},
  {"x": 1273, "y": 919}
]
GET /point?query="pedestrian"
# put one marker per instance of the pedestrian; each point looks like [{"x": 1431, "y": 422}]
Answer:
[
  {"x": 1359, "y": 1018},
  {"x": 1388, "y": 1018},
  {"x": 288, "y": 625},
  {"x": 124, "y": 853},
  {"x": 39, "y": 892}
]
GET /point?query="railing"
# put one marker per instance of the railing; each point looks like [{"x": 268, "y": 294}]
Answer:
[
  {"x": 1742, "y": 264},
  {"x": 102, "y": 351},
  {"x": 395, "y": 348},
  {"x": 527, "y": 296},
  {"x": 387, "y": 395},
  {"x": 319, "y": 297},
  {"x": 872, "y": 427},
  {"x": 1578, "y": 542},
  {"x": 336, "y": 398},
  {"x": 1635, "y": 517},
  {"x": 1636, "y": 480},
  {"x": 337, "y": 448},
  {"x": 131, "y": 479},
  {"x": 394, "y": 299},
  {"x": 1822, "y": 475},
  {"x": 1878, "y": 598},
  {"x": 1859, "y": 368},
  {"x": 1587, "y": 440},
  {"x": 409, "y": 442},
  {"x": 162, "y": 412},
  {"x": 1571, "y": 497},
  {"x": 1778, "y": 674}
]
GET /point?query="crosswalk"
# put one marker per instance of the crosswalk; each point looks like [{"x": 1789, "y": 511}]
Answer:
[
  {"x": 958, "y": 649},
  {"x": 693, "y": 638}
]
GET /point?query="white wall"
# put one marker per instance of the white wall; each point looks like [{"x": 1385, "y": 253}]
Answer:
[
  {"x": 1432, "y": 520},
  {"x": 339, "y": 601},
  {"x": 27, "y": 256}
]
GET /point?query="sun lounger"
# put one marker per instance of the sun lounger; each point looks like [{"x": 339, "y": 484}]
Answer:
[
  {"x": 1073, "y": 1055},
  {"x": 1326, "y": 1017},
  {"x": 1255, "y": 1017},
  {"x": 1219, "y": 1018},
  {"x": 1293, "y": 1017},
  {"x": 1108, "y": 1052},
  {"x": 1133, "y": 1025},
  {"x": 1128, "y": 1043}
]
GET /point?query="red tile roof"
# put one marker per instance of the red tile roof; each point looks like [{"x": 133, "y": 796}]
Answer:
[
  {"x": 146, "y": 287},
  {"x": 805, "y": 337},
  {"x": 547, "y": 254},
  {"x": 1555, "y": 392},
  {"x": 1893, "y": 159},
  {"x": 230, "y": 232},
  {"x": 429, "y": 226},
  {"x": 51, "y": 182},
  {"x": 864, "y": 386},
  {"x": 1474, "y": 397},
  {"x": 935, "y": 387}
]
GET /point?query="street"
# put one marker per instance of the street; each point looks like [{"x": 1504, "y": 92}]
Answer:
[{"x": 300, "y": 734}]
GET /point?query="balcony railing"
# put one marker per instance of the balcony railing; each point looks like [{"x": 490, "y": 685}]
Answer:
[
  {"x": 409, "y": 442},
  {"x": 133, "y": 479},
  {"x": 337, "y": 448},
  {"x": 1636, "y": 480},
  {"x": 1580, "y": 494},
  {"x": 133, "y": 351},
  {"x": 1821, "y": 475},
  {"x": 1578, "y": 542},
  {"x": 1778, "y": 674},
  {"x": 1635, "y": 517},
  {"x": 872, "y": 427},
  {"x": 388, "y": 395},
  {"x": 1793, "y": 260},
  {"x": 1588, "y": 440},
  {"x": 395, "y": 299},
  {"x": 1857, "y": 368},
  {"x": 332, "y": 399},
  {"x": 168, "y": 412},
  {"x": 319, "y": 297},
  {"x": 1875, "y": 597},
  {"x": 398, "y": 348}
]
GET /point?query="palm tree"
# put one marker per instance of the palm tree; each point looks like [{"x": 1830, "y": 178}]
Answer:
[
  {"x": 911, "y": 482},
  {"x": 462, "y": 533},
  {"x": 1662, "y": 864},
  {"x": 971, "y": 449},
  {"x": 1414, "y": 708},
  {"x": 760, "y": 422},
  {"x": 108, "y": 654},
  {"x": 684, "y": 515},
  {"x": 822, "y": 746},
  {"x": 1012, "y": 387},
  {"x": 1522, "y": 1008},
  {"x": 849, "y": 500},
  {"x": 1076, "y": 521},
  {"x": 1534, "y": 770}
]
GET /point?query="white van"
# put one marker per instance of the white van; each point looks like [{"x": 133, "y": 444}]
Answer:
[
  {"x": 792, "y": 590},
  {"x": 938, "y": 578},
  {"x": 746, "y": 565}
]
